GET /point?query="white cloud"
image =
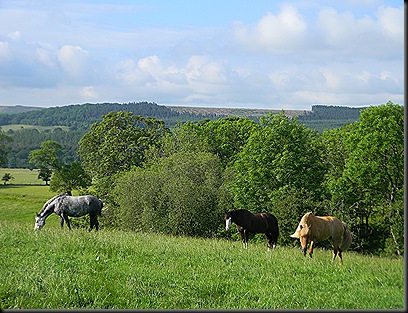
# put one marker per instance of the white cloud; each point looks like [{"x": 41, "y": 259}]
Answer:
[
  {"x": 5, "y": 52},
  {"x": 74, "y": 60},
  {"x": 282, "y": 32},
  {"x": 89, "y": 93}
]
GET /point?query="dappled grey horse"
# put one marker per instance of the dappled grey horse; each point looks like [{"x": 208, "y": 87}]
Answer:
[{"x": 64, "y": 206}]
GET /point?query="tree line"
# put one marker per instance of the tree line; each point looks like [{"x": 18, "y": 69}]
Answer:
[
  {"x": 79, "y": 118},
  {"x": 180, "y": 181}
]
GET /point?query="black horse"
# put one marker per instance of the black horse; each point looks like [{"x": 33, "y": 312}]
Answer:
[{"x": 247, "y": 222}]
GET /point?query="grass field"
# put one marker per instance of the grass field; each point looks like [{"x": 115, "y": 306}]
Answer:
[
  {"x": 113, "y": 269},
  {"x": 22, "y": 176}
]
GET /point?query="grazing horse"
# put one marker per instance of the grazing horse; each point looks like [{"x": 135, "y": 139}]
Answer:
[
  {"x": 247, "y": 222},
  {"x": 64, "y": 206},
  {"x": 313, "y": 229}
]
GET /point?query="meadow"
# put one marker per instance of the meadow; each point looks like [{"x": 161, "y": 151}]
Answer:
[{"x": 114, "y": 269}]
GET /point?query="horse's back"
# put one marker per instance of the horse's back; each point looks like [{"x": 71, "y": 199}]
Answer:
[{"x": 81, "y": 205}]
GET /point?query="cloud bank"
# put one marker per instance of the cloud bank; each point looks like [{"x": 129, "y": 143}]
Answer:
[{"x": 290, "y": 58}]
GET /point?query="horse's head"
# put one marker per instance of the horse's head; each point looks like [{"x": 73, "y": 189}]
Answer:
[
  {"x": 228, "y": 221},
  {"x": 39, "y": 222},
  {"x": 303, "y": 231}
]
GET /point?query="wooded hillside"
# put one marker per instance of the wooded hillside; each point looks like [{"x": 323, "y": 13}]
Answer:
[{"x": 80, "y": 117}]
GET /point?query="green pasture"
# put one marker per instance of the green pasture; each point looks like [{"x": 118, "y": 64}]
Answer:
[
  {"x": 21, "y": 176},
  {"x": 114, "y": 269}
]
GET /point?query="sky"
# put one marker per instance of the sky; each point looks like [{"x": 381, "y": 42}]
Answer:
[{"x": 264, "y": 54}]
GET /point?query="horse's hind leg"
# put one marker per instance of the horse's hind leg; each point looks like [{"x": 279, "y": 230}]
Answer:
[
  {"x": 93, "y": 219},
  {"x": 339, "y": 256},
  {"x": 271, "y": 241}
]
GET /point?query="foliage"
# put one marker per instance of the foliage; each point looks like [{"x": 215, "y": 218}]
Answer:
[
  {"x": 67, "y": 124},
  {"x": 69, "y": 177},
  {"x": 27, "y": 139},
  {"x": 84, "y": 115},
  {"x": 45, "y": 174},
  {"x": 366, "y": 182},
  {"x": 64, "y": 177},
  {"x": 280, "y": 153},
  {"x": 178, "y": 195},
  {"x": 47, "y": 156},
  {"x": 116, "y": 144},
  {"x": 4, "y": 139},
  {"x": 6, "y": 178},
  {"x": 227, "y": 136}
]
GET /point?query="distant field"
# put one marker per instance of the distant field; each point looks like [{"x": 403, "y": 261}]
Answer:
[
  {"x": 22, "y": 176},
  {"x": 14, "y": 127}
]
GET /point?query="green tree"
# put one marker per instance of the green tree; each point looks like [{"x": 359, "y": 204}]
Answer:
[
  {"x": 47, "y": 157},
  {"x": 69, "y": 177},
  {"x": 45, "y": 175},
  {"x": 370, "y": 188},
  {"x": 116, "y": 144},
  {"x": 280, "y": 153},
  {"x": 6, "y": 178},
  {"x": 227, "y": 136}
]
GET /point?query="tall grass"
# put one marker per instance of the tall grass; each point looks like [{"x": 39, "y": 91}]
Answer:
[{"x": 61, "y": 269}]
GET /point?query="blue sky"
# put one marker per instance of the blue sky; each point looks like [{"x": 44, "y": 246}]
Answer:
[{"x": 225, "y": 53}]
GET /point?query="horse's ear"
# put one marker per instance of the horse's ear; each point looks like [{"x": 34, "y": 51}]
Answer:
[{"x": 36, "y": 214}]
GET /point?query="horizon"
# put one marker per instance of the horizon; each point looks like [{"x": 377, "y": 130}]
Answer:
[
  {"x": 266, "y": 54},
  {"x": 187, "y": 106}
]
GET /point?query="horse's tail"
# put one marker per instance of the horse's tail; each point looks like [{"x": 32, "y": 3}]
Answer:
[
  {"x": 100, "y": 207},
  {"x": 273, "y": 226},
  {"x": 346, "y": 242}
]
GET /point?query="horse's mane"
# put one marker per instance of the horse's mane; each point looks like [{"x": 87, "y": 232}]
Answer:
[{"x": 59, "y": 197}]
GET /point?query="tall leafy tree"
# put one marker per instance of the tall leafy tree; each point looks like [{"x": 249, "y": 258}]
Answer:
[
  {"x": 47, "y": 157},
  {"x": 116, "y": 144},
  {"x": 69, "y": 177},
  {"x": 281, "y": 152},
  {"x": 227, "y": 136},
  {"x": 371, "y": 185}
]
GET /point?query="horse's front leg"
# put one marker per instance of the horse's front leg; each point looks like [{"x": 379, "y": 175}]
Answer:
[
  {"x": 66, "y": 219},
  {"x": 246, "y": 236},
  {"x": 311, "y": 248},
  {"x": 243, "y": 235},
  {"x": 62, "y": 221}
]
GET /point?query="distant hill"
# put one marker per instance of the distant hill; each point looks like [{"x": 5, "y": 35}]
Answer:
[
  {"x": 16, "y": 109},
  {"x": 84, "y": 115},
  {"x": 320, "y": 117}
]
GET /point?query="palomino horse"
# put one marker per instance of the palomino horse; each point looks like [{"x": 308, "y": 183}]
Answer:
[
  {"x": 75, "y": 206},
  {"x": 313, "y": 229},
  {"x": 247, "y": 222}
]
